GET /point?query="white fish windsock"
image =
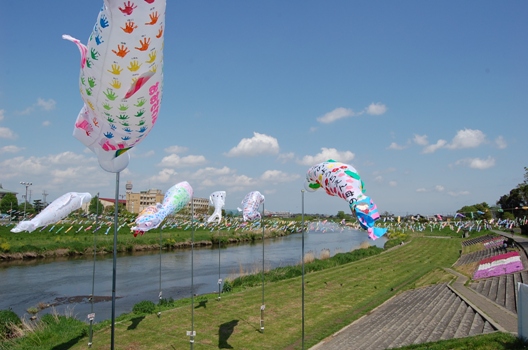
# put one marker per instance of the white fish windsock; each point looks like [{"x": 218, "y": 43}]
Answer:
[
  {"x": 121, "y": 79},
  {"x": 55, "y": 211},
  {"x": 250, "y": 205},
  {"x": 342, "y": 180},
  {"x": 217, "y": 199},
  {"x": 176, "y": 198}
]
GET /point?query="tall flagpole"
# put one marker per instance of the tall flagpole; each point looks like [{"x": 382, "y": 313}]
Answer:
[
  {"x": 263, "y": 306},
  {"x": 115, "y": 260},
  {"x": 302, "y": 259}
]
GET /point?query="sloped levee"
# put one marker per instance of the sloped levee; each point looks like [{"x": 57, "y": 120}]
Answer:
[
  {"x": 502, "y": 289},
  {"x": 417, "y": 316}
]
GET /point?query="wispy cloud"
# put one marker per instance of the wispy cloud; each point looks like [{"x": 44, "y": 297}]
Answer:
[
  {"x": 10, "y": 149},
  {"x": 342, "y": 112},
  {"x": 500, "y": 142},
  {"x": 336, "y": 114},
  {"x": 276, "y": 176},
  {"x": 46, "y": 105},
  {"x": 176, "y": 149},
  {"x": 477, "y": 163},
  {"x": 376, "y": 109},
  {"x": 6, "y": 133},
  {"x": 258, "y": 144},
  {"x": 175, "y": 160},
  {"x": 325, "y": 154}
]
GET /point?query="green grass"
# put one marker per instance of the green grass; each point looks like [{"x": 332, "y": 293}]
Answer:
[
  {"x": 45, "y": 243},
  {"x": 334, "y": 297}
]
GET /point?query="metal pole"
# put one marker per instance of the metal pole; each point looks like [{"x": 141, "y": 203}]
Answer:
[
  {"x": 263, "y": 306},
  {"x": 302, "y": 264},
  {"x": 160, "y": 292},
  {"x": 219, "y": 278},
  {"x": 192, "y": 333},
  {"x": 115, "y": 261},
  {"x": 92, "y": 315}
]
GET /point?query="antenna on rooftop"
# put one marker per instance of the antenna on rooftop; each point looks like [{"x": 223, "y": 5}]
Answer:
[{"x": 44, "y": 195}]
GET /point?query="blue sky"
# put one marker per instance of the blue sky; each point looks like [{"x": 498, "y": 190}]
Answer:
[{"x": 427, "y": 100}]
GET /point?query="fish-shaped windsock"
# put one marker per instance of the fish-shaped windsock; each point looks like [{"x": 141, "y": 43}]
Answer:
[
  {"x": 250, "y": 205},
  {"x": 176, "y": 198},
  {"x": 218, "y": 200},
  {"x": 342, "y": 180},
  {"x": 55, "y": 211},
  {"x": 121, "y": 79}
]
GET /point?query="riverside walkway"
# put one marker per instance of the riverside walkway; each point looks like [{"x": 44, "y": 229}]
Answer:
[{"x": 436, "y": 312}]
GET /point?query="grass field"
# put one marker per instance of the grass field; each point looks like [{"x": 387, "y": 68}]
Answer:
[{"x": 334, "y": 297}]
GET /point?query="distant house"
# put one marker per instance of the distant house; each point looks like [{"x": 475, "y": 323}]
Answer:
[{"x": 3, "y": 192}]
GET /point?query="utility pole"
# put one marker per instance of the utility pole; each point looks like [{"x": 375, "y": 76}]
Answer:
[{"x": 44, "y": 195}]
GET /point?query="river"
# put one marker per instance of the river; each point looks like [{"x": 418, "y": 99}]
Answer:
[{"x": 67, "y": 282}]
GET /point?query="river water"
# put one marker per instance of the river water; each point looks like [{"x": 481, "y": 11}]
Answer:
[{"x": 66, "y": 283}]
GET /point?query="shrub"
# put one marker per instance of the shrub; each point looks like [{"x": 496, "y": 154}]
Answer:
[
  {"x": 5, "y": 246},
  {"x": 228, "y": 287},
  {"x": 144, "y": 307},
  {"x": 8, "y": 319},
  {"x": 166, "y": 302}
]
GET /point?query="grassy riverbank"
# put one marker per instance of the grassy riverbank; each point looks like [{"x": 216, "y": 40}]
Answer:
[
  {"x": 77, "y": 240},
  {"x": 334, "y": 297}
]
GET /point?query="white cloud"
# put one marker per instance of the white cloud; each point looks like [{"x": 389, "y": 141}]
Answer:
[
  {"x": 174, "y": 160},
  {"x": 376, "y": 109},
  {"x": 477, "y": 163},
  {"x": 6, "y": 133},
  {"x": 164, "y": 176},
  {"x": 378, "y": 178},
  {"x": 396, "y": 147},
  {"x": 46, "y": 105},
  {"x": 459, "y": 193},
  {"x": 439, "y": 188},
  {"x": 336, "y": 114},
  {"x": 46, "y": 123},
  {"x": 421, "y": 189},
  {"x": 421, "y": 140},
  {"x": 326, "y": 154},
  {"x": 134, "y": 153},
  {"x": 286, "y": 157},
  {"x": 313, "y": 129},
  {"x": 432, "y": 148},
  {"x": 176, "y": 149},
  {"x": 276, "y": 176},
  {"x": 258, "y": 144},
  {"x": 500, "y": 142},
  {"x": 2, "y": 114},
  {"x": 467, "y": 138},
  {"x": 393, "y": 183},
  {"x": 10, "y": 149}
]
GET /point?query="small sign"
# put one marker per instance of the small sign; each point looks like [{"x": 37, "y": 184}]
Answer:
[
  {"x": 219, "y": 281},
  {"x": 91, "y": 317},
  {"x": 160, "y": 294},
  {"x": 191, "y": 333},
  {"x": 263, "y": 307}
]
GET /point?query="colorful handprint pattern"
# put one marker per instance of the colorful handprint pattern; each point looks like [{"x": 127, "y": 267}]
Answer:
[{"x": 121, "y": 76}]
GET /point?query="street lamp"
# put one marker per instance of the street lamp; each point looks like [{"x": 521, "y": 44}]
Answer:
[{"x": 27, "y": 184}]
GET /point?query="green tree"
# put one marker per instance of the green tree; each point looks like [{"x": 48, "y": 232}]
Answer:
[
  {"x": 8, "y": 202},
  {"x": 38, "y": 205},
  {"x": 340, "y": 215},
  {"x": 27, "y": 207},
  {"x": 516, "y": 202},
  {"x": 475, "y": 211},
  {"x": 95, "y": 207}
]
